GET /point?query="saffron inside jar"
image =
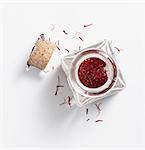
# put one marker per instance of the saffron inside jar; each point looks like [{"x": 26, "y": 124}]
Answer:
[{"x": 92, "y": 72}]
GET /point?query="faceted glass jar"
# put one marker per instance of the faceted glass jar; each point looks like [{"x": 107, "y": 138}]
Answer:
[{"x": 82, "y": 94}]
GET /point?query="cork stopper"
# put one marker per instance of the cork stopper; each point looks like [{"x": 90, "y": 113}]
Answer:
[{"x": 41, "y": 53}]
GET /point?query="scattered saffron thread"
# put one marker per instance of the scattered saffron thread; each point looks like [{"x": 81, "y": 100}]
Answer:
[
  {"x": 81, "y": 39},
  {"x": 99, "y": 120},
  {"x": 67, "y": 101},
  {"x": 87, "y": 111},
  {"x": 65, "y": 32},
  {"x": 98, "y": 110},
  {"x": 88, "y": 119},
  {"x": 67, "y": 50},
  {"x": 58, "y": 85},
  {"x": 58, "y": 48},
  {"x": 98, "y": 106},
  {"x": 117, "y": 49},
  {"x": 88, "y": 25}
]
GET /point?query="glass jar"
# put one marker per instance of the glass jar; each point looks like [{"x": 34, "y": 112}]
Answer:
[{"x": 82, "y": 94}]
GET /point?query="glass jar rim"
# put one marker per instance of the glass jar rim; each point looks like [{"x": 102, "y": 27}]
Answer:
[{"x": 88, "y": 53}]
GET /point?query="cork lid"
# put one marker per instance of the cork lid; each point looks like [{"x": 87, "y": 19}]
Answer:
[{"x": 41, "y": 53}]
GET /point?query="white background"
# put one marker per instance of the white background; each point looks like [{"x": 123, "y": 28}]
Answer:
[{"x": 30, "y": 113}]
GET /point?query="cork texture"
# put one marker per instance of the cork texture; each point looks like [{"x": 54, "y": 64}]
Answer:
[{"x": 41, "y": 53}]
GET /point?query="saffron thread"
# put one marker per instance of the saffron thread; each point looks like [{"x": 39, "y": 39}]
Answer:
[
  {"x": 98, "y": 106},
  {"x": 87, "y": 111},
  {"x": 65, "y": 32},
  {"x": 81, "y": 39},
  {"x": 58, "y": 48},
  {"x": 117, "y": 49},
  {"x": 58, "y": 85},
  {"x": 88, "y": 25},
  {"x": 67, "y": 50},
  {"x": 99, "y": 120}
]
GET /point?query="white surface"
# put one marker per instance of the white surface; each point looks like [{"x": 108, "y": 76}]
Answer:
[{"x": 30, "y": 113}]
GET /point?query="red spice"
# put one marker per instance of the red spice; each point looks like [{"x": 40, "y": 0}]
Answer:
[
  {"x": 92, "y": 72},
  {"x": 58, "y": 48},
  {"x": 98, "y": 120},
  {"x": 67, "y": 50},
  {"x": 65, "y": 32},
  {"x": 67, "y": 101},
  {"x": 117, "y": 49},
  {"x": 81, "y": 39},
  {"x": 98, "y": 106},
  {"x": 87, "y": 111},
  {"x": 58, "y": 85},
  {"x": 88, "y": 25}
]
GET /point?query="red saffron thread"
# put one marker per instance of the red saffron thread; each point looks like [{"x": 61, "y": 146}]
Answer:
[
  {"x": 58, "y": 48},
  {"x": 99, "y": 120},
  {"x": 81, "y": 39},
  {"x": 67, "y": 50},
  {"x": 87, "y": 111},
  {"x": 58, "y": 85},
  {"x": 98, "y": 106},
  {"x": 69, "y": 101},
  {"x": 65, "y": 32},
  {"x": 117, "y": 49},
  {"x": 88, "y": 25}
]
